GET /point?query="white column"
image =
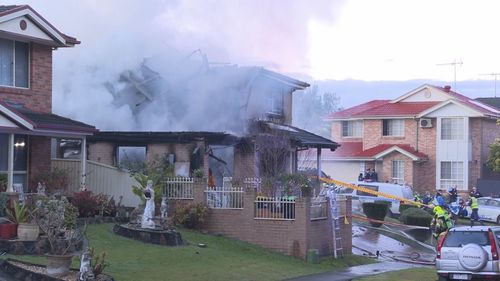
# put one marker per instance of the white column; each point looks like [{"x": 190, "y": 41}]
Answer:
[
  {"x": 10, "y": 166},
  {"x": 83, "y": 155}
]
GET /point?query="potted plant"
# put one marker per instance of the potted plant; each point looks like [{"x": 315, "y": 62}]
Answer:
[
  {"x": 22, "y": 216},
  {"x": 8, "y": 229},
  {"x": 57, "y": 219}
]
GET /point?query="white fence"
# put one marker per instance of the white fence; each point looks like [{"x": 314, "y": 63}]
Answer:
[
  {"x": 275, "y": 208},
  {"x": 224, "y": 197},
  {"x": 101, "y": 178},
  {"x": 179, "y": 188}
]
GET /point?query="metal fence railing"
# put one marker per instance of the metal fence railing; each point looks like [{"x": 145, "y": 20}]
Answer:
[
  {"x": 275, "y": 208},
  {"x": 179, "y": 188},
  {"x": 224, "y": 197},
  {"x": 319, "y": 208}
]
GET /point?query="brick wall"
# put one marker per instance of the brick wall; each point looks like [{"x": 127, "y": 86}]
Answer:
[
  {"x": 244, "y": 162},
  {"x": 102, "y": 152},
  {"x": 490, "y": 131},
  {"x": 39, "y": 158},
  {"x": 386, "y": 174},
  {"x": 372, "y": 134},
  {"x": 336, "y": 133},
  {"x": 288, "y": 237},
  {"x": 476, "y": 128},
  {"x": 39, "y": 96}
]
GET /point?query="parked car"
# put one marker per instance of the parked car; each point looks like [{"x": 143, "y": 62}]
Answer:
[
  {"x": 359, "y": 197},
  {"x": 467, "y": 253},
  {"x": 489, "y": 209}
]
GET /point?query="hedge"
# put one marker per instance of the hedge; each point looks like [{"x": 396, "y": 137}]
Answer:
[
  {"x": 376, "y": 210},
  {"x": 415, "y": 216}
]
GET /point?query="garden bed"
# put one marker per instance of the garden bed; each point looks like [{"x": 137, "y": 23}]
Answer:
[
  {"x": 18, "y": 247},
  {"x": 168, "y": 237},
  {"x": 34, "y": 272}
]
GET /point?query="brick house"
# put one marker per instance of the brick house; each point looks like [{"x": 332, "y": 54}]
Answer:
[
  {"x": 27, "y": 124},
  {"x": 430, "y": 137}
]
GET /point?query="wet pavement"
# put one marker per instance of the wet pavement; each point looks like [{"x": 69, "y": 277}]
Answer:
[{"x": 358, "y": 271}]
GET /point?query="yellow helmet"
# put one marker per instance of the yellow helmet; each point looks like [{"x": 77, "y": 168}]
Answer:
[{"x": 438, "y": 210}]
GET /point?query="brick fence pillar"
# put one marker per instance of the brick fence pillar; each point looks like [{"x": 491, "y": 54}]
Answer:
[{"x": 199, "y": 186}]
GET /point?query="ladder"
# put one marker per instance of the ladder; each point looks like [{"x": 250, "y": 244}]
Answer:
[{"x": 336, "y": 232}]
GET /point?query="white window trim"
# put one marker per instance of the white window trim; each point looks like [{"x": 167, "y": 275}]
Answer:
[
  {"x": 394, "y": 136},
  {"x": 399, "y": 180},
  {"x": 352, "y": 122},
  {"x": 459, "y": 182},
  {"x": 14, "y": 67},
  {"x": 440, "y": 133}
]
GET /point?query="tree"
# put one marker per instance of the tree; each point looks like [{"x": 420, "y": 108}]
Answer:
[
  {"x": 494, "y": 158},
  {"x": 310, "y": 109}
]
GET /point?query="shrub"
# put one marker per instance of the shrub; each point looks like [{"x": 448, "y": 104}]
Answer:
[
  {"x": 415, "y": 216},
  {"x": 191, "y": 216},
  {"x": 403, "y": 207},
  {"x": 376, "y": 210},
  {"x": 99, "y": 262},
  {"x": 56, "y": 180},
  {"x": 86, "y": 203}
]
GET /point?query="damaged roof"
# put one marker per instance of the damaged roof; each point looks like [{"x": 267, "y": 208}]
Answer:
[
  {"x": 138, "y": 137},
  {"x": 300, "y": 137}
]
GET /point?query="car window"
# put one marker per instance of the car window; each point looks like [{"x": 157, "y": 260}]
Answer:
[
  {"x": 482, "y": 201},
  {"x": 459, "y": 238},
  {"x": 495, "y": 203},
  {"x": 362, "y": 193}
]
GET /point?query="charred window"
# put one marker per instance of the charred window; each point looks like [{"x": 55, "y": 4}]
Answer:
[{"x": 129, "y": 157}]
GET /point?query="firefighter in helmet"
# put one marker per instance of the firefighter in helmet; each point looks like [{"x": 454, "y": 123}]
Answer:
[{"x": 440, "y": 223}]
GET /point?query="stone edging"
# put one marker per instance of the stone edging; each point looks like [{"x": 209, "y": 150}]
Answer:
[
  {"x": 23, "y": 274},
  {"x": 168, "y": 237}
]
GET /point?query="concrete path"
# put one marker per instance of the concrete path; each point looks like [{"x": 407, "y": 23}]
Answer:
[{"x": 358, "y": 271}]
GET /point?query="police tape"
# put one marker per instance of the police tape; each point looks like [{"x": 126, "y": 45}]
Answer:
[{"x": 370, "y": 191}]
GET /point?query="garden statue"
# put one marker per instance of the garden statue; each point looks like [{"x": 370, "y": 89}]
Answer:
[
  {"x": 40, "y": 189},
  {"x": 164, "y": 207},
  {"x": 149, "y": 211},
  {"x": 85, "y": 267}
]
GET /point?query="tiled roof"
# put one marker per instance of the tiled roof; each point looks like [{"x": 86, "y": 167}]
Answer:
[
  {"x": 4, "y": 8},
  {"x": 355, "y": 110},
  {"x": 354, "y": 150},
  {"x": 477, "y": 105},
  {"x": 398, "y": 109},
  {"x": 494, "y": 102},
  {"x": 301, "y": 137}
]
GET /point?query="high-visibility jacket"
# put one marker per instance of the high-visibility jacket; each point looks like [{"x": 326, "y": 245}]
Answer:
[{"x": 473, "y": 203}]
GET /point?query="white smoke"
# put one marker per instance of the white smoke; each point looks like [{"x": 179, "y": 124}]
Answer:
[{"x": 117, "y": 35}]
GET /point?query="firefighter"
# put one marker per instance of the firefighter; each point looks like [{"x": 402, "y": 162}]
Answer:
[
  {"x": 474, "y": 216},
  {"x": 440, "y": 222}
]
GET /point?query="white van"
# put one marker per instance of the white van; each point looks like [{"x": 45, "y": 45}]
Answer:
[{"x": 359, "y": 197}]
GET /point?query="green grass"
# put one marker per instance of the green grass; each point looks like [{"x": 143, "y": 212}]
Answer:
[
  {"x": 222, "y": 259},
  {"x": 414, "y": 274}
]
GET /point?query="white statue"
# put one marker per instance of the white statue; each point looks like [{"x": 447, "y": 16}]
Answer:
[
  {"x": 164, "y": 207},
  {"x": 40, "y": 189},
  {"x": 85, "y": 267},
  {"x": 149, "y": 210}
]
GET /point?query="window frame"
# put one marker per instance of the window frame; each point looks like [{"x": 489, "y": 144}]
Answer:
[
  {"x": 276, "y": 103},
  {"x": 398, "y": 166},
  {"x": 117, "y": 156},
  {"x": 445, "y": 182},
  {"x": 452, "y": 134},
  {"x": 347, "y": 126},
  {"x": 14, "y": 68},
  {"x": 388, "y": 127}
]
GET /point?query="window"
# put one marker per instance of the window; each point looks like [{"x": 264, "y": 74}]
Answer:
[
  {"x": 460, "y": 238},
  {"x": 452, "y": 174},
  {"x": 14, "y": 63},
  {"x": 398, "y": 171},
  {"x": 131, "y": 157},
  {"x": 452, "y": 128},
  {"x": 20, "y": 158},
  {"x": 393, "y": 127},
  {"x": 352, "y": 128},
  {"x": 362, "y": 193},
  {"x": 276, "y": 103}
]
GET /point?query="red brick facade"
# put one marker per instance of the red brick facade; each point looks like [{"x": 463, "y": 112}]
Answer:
[
  {"x": 39, "y": 158},
  {"x": 39, "y": 95}
]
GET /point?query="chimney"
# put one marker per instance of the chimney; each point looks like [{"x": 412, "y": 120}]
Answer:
[{"x": 447, "y": 88}]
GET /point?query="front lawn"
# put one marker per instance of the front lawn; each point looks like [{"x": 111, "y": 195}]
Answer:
[
  {"x": 414, "y": 274},
  {"x": 222, "y": 259}
]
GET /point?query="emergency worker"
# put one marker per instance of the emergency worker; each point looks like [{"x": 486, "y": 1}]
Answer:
[
  {"x": 440, "y": 222},
  {"x": 474, "y": 216}
]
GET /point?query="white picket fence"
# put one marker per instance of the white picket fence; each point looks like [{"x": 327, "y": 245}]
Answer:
[
  {"x": 224, "y": 197},
  {"x": 275, "y": 208},
  {"x": 101, "y": 178},
  {"x": 179, "y": 188}
]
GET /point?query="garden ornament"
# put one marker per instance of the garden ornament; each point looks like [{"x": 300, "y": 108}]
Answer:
[
  {"x": 149, "y": 210},
  {"x": 40, "y": 188},
  {"x": 164, "y": 207},
  {"x": 85, "y": 267}
]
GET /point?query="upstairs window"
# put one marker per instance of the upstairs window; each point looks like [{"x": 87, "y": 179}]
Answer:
[
  {"x": 393, "y": 127},
  {"x": 14, "y": 63},
  {"x": 352, "y": 129},
  {"x": 275, "y": 101},
  {"x": 452, "y": 128}
]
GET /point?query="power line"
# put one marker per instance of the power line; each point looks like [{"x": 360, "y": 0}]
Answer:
[
  {"x": 494, "y": 74},
  {"x": 454, "y": 63}
]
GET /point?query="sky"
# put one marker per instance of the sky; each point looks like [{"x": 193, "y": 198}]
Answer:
[{"x": 331, "y": 43}]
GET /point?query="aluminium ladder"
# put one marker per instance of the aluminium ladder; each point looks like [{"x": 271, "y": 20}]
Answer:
[{"x": 334, "y": 213}]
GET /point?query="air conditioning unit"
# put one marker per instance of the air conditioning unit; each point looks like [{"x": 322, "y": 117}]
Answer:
[{"x": 425, "y": 123}]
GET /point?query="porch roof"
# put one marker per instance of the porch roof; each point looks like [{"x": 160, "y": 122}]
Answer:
[
  {"x": 301, "y": 137},
  {"x": 26, "y": 121},
  {"x": 354, "y": 151},
  {"x": 143, "y": 137}
]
